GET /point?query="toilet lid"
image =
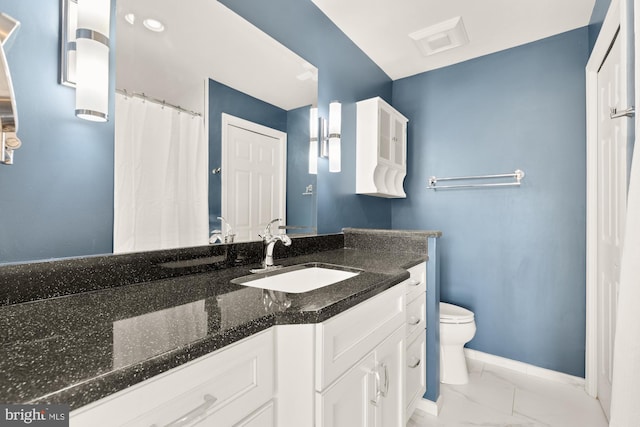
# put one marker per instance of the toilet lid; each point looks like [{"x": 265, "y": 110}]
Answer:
[{"x": 450, "y": 313}]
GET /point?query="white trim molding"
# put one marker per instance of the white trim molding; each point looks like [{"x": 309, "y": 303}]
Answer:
[
  {"x": 429, "y": 407},
  {"x": 524, "y": 368}
]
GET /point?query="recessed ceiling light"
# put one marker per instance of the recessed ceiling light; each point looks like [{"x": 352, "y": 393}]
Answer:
[
  {"x": 130, "y": 18},
  {"x": 153, "y": 25}
]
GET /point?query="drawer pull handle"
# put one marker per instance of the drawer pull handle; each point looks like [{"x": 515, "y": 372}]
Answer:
[
  {"x": 414, "y": 282},
  {"x": 413, "y": 321},
  {"x": 194, "y": 413},
  {"x": 386, "y": 380},
  {"x": 376, "y": 374},
  {"x": 380, "y": 392},
  {"x": 415, "y": 364}
]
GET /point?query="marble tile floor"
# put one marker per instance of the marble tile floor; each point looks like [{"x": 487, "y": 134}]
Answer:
[{"x": 500, "y": 397}]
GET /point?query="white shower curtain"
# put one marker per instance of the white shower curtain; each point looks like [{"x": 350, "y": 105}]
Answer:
[
  {"x": 160, "y": 182},
  {"x": 625, "y": 392}
]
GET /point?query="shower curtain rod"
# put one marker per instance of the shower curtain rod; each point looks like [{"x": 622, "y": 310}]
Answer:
[{"x": 162, "y": 102}]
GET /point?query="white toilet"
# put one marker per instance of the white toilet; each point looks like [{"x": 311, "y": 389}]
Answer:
[{"x": 457, "y": 327}]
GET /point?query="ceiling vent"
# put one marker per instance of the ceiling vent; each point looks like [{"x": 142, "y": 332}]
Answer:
[{"x": 440, "y": 37}]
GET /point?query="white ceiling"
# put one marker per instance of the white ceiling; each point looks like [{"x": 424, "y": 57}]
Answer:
[
  {"x": 204, "y": 39},
  {"x": 381, "y": 27}
]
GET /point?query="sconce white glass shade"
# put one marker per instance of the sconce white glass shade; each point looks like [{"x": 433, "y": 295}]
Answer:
[
  {"x": 334, "y": 155},
  {"x": 92, "y": 60},
  {"x": 335, "y": 119},
  {"x": 335, "y": 124},
  {"x": 313, "y": 141}
]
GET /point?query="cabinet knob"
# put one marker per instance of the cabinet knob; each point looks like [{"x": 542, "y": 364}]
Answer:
[
  {"x": 414, "y": 364},
  {"x": 414, "y": 282},
  {"x": 413, "y": 320}
]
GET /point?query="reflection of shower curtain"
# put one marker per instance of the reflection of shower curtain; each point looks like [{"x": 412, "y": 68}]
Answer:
[
  {"x": 160, "y": 188},
  {"x": 625, "y": 389}
]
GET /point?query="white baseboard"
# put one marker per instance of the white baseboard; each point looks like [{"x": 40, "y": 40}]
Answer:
[
  {"x": 524, "y": 368},
  {"x": 429, "y": 406}
]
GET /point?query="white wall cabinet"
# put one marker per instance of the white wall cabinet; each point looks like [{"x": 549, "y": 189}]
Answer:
[
  {"x": 220, "y": 389},
  {"x": 381, "y": 149}
]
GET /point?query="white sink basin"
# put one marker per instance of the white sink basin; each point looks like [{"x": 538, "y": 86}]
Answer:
[{"x": 299, "y": 278}]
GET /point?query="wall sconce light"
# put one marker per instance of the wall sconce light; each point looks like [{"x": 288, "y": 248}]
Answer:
[
  {"x": 335, "y": 123},
  {"x": 328, "y": 135},
  {"x": 313, "y": 140},
  {"x": 85, "y": 55}
]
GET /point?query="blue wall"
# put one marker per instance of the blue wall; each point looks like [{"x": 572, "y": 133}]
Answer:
[
  {"x": 515, "y": 256},
  {"x": 345, "y": 74},
  {"x": 57, "y": 198},
  {"x": 301, "y": 208},
  {"x": 597, "y": 18}
]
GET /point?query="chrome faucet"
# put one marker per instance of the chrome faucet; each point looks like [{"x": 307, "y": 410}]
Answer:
[
  {"x": 270, "y": 240},
  {"x": 224, "y": 235},
  {"x": 228, "y": 235}
]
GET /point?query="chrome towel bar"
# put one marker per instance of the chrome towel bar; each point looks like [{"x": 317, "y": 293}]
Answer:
[{"x": 518, "y": 175}]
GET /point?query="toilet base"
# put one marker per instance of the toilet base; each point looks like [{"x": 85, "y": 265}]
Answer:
[{"x": 454, "y": 371}]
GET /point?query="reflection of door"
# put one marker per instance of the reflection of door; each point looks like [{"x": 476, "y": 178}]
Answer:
[
  {"x": 253, "y": 176},
  {"x": 611, "y": 201}
]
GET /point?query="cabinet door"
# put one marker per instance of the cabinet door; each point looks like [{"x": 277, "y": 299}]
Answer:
[
  {"x": 390, "y": 356},
  {"x": 384, "y": 134},
  {"x": 399, "y": 143},
  {"x": 348, "y": 402}
]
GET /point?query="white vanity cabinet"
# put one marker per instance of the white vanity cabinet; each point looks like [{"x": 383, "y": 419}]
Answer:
[
  {"x": 381, "y": 149},
  {"x": 353, "y": 364},
  {"x": 233, "y": 386},
  {"x": 370, "y": 393},
  {"x": 364, "y": 367},
  {"x": 416, "y": 351}
]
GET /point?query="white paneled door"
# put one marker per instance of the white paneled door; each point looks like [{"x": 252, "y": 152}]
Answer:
[
  {"x": 253, "y": 176},
  {"x": 611, "y": 201}
]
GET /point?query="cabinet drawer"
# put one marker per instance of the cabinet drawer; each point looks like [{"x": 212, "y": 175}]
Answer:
[
  {"x": 263, "y": 417},
  {"x": 417, "y": 283},
  {"x": 344, "y": 339},
  {"x": 416, "y": 314},
  {"x": 221, "y": 388},
  {"x": 415, "y": 370}
]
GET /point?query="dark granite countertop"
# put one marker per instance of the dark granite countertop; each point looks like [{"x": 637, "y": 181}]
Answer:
[{"x": 78, "y": 348}]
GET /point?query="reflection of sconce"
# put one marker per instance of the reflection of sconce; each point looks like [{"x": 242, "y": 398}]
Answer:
[
  {"x": 329, "y": 138},
  {"x": 85, "y": 55},
  {"x": 9, "y": 140},
  {"x": 313, "y": 140}
]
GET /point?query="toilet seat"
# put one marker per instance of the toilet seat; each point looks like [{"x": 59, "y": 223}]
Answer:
[{"x": 450, "y": 313}]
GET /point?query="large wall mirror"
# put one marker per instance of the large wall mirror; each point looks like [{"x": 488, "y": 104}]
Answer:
[{"x": 210, "y": 61}]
